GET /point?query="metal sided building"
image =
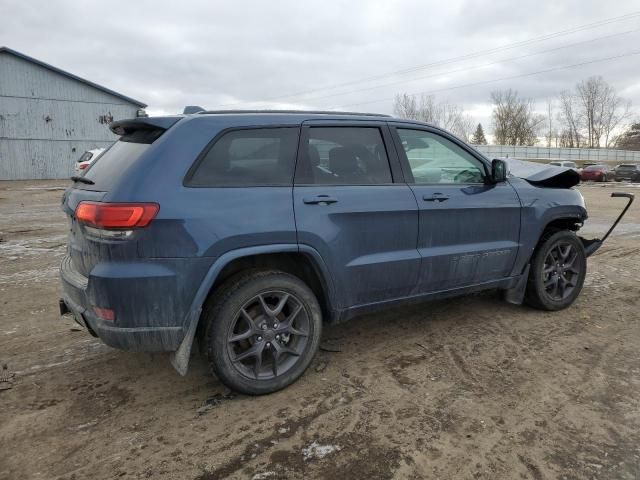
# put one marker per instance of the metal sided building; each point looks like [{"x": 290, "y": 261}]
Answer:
[{"x": 49, "y": 117}]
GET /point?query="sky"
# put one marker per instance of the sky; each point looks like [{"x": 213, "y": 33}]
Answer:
[{"x": 348, "y": 55}]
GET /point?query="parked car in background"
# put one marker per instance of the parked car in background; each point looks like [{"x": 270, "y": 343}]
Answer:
[
  {"x": 628, "y": 171},
  {"x": 566, "y": 164},
  {"x": 246, "y": 232},
  {"x": 87, "y": 158},
  {"x": 596, "y": 173}
]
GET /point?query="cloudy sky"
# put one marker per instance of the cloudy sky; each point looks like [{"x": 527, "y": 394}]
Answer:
[{"x": 352, "y": 55}]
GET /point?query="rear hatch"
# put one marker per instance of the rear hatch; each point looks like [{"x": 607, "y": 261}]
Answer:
[{"x": 88, "y": 245}]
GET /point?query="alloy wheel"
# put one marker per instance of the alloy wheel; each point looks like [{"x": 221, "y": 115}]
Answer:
[
  {"x": 268, "y": 335},
  {"x": 561, "y": 271}
]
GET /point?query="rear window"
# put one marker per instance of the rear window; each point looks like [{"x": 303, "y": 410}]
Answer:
[
  {"x": 627, "y": 167},
  {"x": 248, "y": 157},
  {"x": 108, "y": 167},
  {"x": 85, "y": 157},
  {"x": 594, "y": 167}
]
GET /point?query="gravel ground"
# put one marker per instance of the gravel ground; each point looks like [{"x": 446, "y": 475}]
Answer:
[{"x": 464, "y": 388}]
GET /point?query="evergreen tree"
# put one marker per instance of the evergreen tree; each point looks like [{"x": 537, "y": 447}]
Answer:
[
  {"x": 630, "y": 140},
  {"x": 478, "y": 136}
]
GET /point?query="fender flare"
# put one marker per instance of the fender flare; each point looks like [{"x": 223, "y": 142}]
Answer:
[{"x": 180, "y": 358}]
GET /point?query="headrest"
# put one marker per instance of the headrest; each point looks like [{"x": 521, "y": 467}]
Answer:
[
  {"x": 314, "y": 156},
  {"x": 342, "y": 160}
]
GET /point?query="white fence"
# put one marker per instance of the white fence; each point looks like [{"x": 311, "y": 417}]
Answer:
[{"x": 604, "y": 155}]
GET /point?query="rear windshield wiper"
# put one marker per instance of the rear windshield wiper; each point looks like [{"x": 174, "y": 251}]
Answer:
[{"x": 76, "y": 178}]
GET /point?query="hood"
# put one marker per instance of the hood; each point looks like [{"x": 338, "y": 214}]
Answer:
[{"x": 543, "y": 175}]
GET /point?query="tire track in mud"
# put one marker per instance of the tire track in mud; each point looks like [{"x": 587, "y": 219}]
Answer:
[
  {"x": 461, "y": 366},
  {"x": 337, "y": 397}
]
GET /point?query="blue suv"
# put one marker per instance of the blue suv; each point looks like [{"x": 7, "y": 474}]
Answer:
[{"x": 244, "y": 232}]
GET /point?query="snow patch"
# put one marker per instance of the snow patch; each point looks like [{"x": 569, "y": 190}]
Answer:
[
  {"x": 263, "y": 475},
  {"x": 315, "y": 450}
]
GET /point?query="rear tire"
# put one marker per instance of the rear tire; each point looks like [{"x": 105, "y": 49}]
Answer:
[
  {"x": 262, "y": 332},
  {"x": 558, "y": 270}
]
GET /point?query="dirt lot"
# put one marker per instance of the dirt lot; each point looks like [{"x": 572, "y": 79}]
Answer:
[{"x": 464, "y": 388}]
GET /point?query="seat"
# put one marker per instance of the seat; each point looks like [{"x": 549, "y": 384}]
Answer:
[{"x": 343, "y": 162}]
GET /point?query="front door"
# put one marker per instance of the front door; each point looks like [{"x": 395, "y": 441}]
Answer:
[
  {"x": 469, "y": 229},
  {"x": 348, "y": 207}
]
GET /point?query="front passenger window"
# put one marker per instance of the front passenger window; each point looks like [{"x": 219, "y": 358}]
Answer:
[{"x": 435, "y": 159}]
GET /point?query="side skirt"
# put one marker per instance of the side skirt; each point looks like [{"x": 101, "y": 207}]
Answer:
[{"x": 502, "y": 284}]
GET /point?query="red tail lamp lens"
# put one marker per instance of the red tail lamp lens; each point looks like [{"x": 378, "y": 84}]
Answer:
[
  {"x": 105, "y": 314},
  {"x": 116, "y": 215}
]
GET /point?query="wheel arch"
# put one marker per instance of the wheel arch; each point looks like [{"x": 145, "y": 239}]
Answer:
[
  {"x": 299, "y": 260},
  {"x": 556, "y": 224}
]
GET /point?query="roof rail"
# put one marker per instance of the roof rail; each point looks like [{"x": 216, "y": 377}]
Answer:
[{"x": 316, "y": 112}]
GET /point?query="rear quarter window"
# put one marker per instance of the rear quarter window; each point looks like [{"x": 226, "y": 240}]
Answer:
[{"x": 247, "y": 157}]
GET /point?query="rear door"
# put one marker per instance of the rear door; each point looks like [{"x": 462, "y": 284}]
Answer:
[
  {"x": 352, "y": 206},
  {"x": 469, "y": 230}
]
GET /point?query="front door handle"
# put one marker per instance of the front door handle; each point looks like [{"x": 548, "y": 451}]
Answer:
[
  {"x": 436, "y": 197},
  {"x": 319, "y": 200}
]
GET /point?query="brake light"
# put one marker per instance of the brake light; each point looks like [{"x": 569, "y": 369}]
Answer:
[
  {"x": 83, "y": 166},
  {"x": 116, "y": 215}
]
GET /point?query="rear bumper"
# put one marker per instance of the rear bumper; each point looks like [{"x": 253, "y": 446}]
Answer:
[{"x": 80, "y": 293}]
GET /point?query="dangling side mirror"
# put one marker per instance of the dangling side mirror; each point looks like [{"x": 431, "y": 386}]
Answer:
[{"x": 498, "y": 171}]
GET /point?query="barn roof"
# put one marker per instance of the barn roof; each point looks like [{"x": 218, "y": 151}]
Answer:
[{"x": 72, "y": 76}]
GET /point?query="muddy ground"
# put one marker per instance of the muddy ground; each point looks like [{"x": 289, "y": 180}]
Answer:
[{"x": 463, "y": 388}]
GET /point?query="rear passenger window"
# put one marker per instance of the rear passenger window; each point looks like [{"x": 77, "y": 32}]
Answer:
[
  {"x": 252, "y": 157},
  {"x": 344, "y": 156}
]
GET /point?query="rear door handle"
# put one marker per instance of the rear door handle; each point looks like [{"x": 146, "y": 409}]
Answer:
[
  {"x": 319, "y": 200},
  {"x": 436, "y": 197}
]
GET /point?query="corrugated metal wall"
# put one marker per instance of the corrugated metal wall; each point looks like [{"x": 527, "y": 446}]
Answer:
[
  {"x": 600, "y": 155},
  {"x": 48, "y": 120}
]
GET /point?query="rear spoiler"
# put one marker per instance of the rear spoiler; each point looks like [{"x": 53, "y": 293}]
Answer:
[{"x": 125, "y": 127}]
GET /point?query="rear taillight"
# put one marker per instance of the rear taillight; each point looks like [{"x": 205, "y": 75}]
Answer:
[
  {"x": 83, "y": 166},
  {"x": 116, "y": 215}
]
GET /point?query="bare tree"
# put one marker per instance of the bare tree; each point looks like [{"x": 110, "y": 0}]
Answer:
[
  {"x": 405, "y": 106},
  {"x": 601, "y": 110},
  {"x": 616, "y": 112},
  {"x": 551, "y": 132},
  {"x": 570, "y": 120},
  {"x": 443, "y": 114},
  {"x": 514, "y": 120}
]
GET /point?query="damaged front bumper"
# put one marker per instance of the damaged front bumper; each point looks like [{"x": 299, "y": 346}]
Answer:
[{"x": 592, "y": 245}]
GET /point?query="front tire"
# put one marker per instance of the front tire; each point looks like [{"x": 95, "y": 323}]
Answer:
[
  {"x": 558, "y": 270},
  {"x": 263, "y": 330}
]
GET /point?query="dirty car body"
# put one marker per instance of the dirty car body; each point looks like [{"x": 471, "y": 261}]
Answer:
[{"x": 367, "y": 211}]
